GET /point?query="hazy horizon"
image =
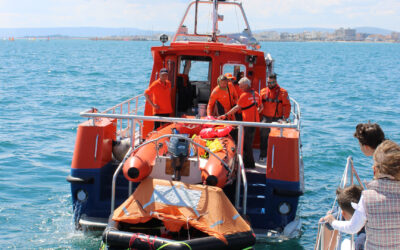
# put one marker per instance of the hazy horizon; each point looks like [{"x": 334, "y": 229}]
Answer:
[
  {"x": 124, "y": 31},
  {"x": 165, "y": 15}
]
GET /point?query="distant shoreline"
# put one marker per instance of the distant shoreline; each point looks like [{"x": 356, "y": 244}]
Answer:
[{"x": 143, "y": 39}]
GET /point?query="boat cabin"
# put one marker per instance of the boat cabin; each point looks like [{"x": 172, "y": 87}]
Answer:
[{"x": 197, "y": 56}]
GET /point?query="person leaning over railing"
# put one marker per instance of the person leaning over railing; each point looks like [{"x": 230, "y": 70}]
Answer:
[
  {"x": 250, "y": 104},
  {"x": 369, "y": 136},
  {"x": 158, "y": 94},
  {"x": 379, "y": 205},
  {"x": 345, "y": 197}
]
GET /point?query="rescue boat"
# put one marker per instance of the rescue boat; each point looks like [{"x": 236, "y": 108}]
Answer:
[{"x": 176, "y": 187}]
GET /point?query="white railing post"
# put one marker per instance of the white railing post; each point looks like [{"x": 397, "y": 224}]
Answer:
[
  {"x": 240, "y": 152},
  {"x": 114, "y": 180}
]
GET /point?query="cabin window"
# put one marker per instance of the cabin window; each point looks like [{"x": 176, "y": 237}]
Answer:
[
  {"x": 237, "y": 70},
  {"x": 195, "y": 70}
]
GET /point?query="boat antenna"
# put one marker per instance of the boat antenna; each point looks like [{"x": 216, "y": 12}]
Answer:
[
  {"x": 215, "y": 19},
  {"x": 195, "y": 18}
]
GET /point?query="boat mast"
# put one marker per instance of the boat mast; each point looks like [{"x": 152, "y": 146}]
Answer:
[
  {"x": 215, "y": 20},
  {"x": 195, "y": 18}
]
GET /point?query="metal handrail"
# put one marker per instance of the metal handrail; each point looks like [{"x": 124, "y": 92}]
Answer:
[
  {"x": 191, "y": 121},
  {"x": 133, "y": 115},
  {"x": 114, "y": 180},
  {"x": 342, "y": 184},
  {"x": 243, "y": 173},
  {"x": 136, "y": 98},
  {"x": 296, "y": 115}
]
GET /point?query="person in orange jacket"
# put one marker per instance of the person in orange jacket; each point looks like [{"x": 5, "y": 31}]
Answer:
[
  {"x": 158, "y": 94},
  {"x": 235, "y": 83},
  {"x": 239, "y": 75},
  {"x": 276, "y": 108},
  {"x": 224, "y": 97},
  {"x": 250, "y": 104}
]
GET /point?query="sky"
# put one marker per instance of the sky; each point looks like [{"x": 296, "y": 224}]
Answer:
[{"x": 166, "y": 14}]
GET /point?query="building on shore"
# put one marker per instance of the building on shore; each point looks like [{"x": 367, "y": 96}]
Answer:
[{"x": 340, "y": 34}]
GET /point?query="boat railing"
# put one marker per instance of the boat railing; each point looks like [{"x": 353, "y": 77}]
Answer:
[
  {"x": 134, "y": 119},
  {"x": 349, "y": 174},
  {"x": 241, "y": 177},
  {"x": 133, "y": 123},
  {"x": 296, "y": 112},
  {"x": 114, "y": 180},
  {"x": 134, "y": 106}
]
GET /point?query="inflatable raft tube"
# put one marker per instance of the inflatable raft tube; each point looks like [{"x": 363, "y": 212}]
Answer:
[
  {"x": 115, "y": 238},
  {"x": 215, "y": 173},
  {"x": 140, "y": 164}
]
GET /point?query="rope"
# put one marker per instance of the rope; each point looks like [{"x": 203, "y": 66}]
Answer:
[
  {"x": 179, "y": 242},
  {"x": 187, "y": 225}
]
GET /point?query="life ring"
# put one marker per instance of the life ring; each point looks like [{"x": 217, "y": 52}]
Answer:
[
  {"x": 223, "y": 131},
  {"x": 211, "y": 118},
  {"x": 219, "y": 131}
]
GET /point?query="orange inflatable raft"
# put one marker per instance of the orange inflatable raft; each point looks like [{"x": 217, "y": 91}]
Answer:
[
  {"x": 214, "y": 173},
  {"x": 140, "y": 164}
]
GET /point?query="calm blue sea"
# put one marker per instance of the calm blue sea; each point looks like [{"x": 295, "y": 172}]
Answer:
[{"x": 44, "y": 85}]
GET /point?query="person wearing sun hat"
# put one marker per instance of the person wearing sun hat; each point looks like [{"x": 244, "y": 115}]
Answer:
[
  {"x": 251, "y": 106},
  {"x": 235, "y": 83},
  {"x": 222, "y": 98},
  {"x": 158, "y": 95}
]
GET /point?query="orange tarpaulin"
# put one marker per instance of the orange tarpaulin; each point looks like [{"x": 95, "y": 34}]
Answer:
[{"x": 177, "y": 204}]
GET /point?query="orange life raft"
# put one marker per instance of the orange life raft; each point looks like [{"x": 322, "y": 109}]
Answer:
[
  {"x": 140, "y": 164},
  {"x": 179, "y": 205}
]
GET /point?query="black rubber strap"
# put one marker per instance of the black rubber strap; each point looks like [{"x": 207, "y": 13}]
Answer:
[{"x": 251, "y": 105}]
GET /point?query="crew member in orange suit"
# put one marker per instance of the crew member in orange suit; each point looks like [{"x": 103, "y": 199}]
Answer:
[
  {"x": 222, "y": 98},
  {"x": 235, "y": 83},
  {"x": 240, "y": 75},
  {"x": 250, "y": 104},
  {"x": 159, "y": 96},
  {"x": 276, "y": 108}
]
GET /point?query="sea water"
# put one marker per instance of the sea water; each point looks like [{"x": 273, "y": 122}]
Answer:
[{"x": 45, "y": 84}]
